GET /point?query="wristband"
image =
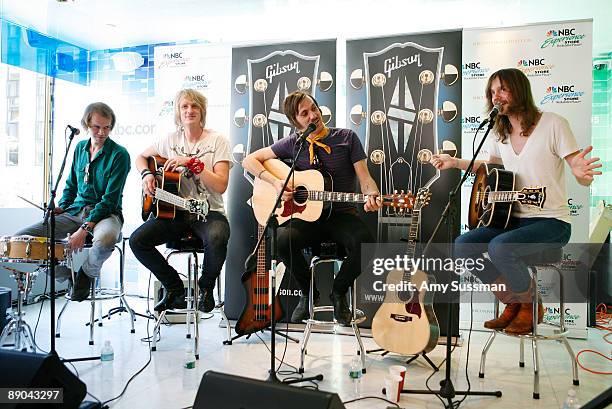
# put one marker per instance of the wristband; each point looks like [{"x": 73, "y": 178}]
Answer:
[{"x": 145, "y": 173}]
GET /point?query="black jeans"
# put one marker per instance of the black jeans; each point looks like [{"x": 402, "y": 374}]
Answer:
[
  {"x": 346, "y": 229},
  {"x": 214, "y": 232}
]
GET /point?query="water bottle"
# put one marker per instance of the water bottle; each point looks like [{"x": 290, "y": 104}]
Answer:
[
  {"x": 571, "y": 400},
  {"x": 355, "y": 375},
  {"x": 189, "y": 359},
  {"x": 107, "y": 353}
]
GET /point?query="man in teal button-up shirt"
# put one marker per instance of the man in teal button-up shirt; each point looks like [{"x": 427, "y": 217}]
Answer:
[{"x": 91, "y": 202}]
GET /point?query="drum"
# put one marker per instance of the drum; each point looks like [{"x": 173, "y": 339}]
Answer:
[{"x": 30, "y": 249}]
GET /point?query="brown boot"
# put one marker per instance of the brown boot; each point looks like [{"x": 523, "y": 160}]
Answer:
[
  {"x": 505, "y": 318},
  {"x": 512, "y": 308},
  {"x": 523, "y": 322}
]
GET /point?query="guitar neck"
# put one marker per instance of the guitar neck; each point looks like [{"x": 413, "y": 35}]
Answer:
[
  {"x": 413, "y": 233},
  {"x": 503, "y": 196},
  {"x": 261, "y": 253},
  {"x": 170, "y": 198},
  {"x": 324, "y": 196}
]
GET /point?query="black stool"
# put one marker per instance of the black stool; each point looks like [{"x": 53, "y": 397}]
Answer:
[
  {"x": 547, "y": 259},
  {"x": 330, "y": 253}
]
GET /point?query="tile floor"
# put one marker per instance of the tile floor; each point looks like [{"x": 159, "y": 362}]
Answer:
[{"x": 166, "y": 384}]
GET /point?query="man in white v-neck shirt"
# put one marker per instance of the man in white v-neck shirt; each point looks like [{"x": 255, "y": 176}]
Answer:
[{"x": 534, "y": 146}]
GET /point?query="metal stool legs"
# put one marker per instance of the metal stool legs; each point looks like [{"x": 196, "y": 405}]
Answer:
[
  {"x": 560, "y": 334},
  {"x": 99, "y": 293},
  {"x": 357, "y": 316},
  {"x": 192, "y": 306}
]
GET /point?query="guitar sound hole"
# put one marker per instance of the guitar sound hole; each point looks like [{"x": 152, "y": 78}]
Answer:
[
  {"x": 405, "y": 296},
  {"x": 300, "y": 195}
]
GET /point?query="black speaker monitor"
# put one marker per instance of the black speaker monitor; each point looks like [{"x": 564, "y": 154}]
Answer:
[
  {"x": 223, "y": 391},
  {"x": 29, "y": 370}
]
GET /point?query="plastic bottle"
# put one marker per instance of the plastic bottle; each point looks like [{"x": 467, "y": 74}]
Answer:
[
  {"x": 107, "y": 353},
  {"x": 189, "y": 359},
  {"x": 355, "y": 375},
  {"x": 571, "y": 400}
]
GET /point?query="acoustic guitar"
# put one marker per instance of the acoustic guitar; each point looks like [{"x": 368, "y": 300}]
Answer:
[
  {"x": 257, "y": 311},
  {"x": 406, "y": 322},
  {"x": 166, "y": 200},
  {"x": 493, "y": 195},
  {"x": 313, "y": 195}
]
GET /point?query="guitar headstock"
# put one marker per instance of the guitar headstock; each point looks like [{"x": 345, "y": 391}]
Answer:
[
  {"x": 198, "y": 207},
  {"x": 400, "y": 201},
  {"x": 422, "y": 199},
  {"x": 533, "y": 196}
]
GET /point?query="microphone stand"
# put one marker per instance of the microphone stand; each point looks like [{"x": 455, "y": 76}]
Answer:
[
  {"x": 272, "y": 225},
  {"x": 447, "y": 390},
  {"x": 50, "y": 220}
]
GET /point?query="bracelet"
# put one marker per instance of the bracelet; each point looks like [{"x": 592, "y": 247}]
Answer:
[
  {"x": 145, "y": 173},
  {"x": 195, "y": 165},
  {"x": 86, "y": 227},
  {"x": 261, "y": 173}
]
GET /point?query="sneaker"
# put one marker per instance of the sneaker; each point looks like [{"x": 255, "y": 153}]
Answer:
[
  {"x": 206, "y": 301},
  {"x": 301, "y": 311},
  {"x": 342, "y": 312}
]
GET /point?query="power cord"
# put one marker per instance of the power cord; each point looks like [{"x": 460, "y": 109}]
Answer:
[{"x": 394, "y": 405}]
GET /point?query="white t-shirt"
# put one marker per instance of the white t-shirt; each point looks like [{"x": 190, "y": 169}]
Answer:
[
  {"x": 540, "y": 163},
  {"x": 210, "y": 150}
]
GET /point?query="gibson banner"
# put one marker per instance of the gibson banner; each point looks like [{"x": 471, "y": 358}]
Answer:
[
  {"x": 262, "y": 76},
  {"x": 404, "y": 101}
]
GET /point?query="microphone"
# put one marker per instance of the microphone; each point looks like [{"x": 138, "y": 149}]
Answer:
[
  {"x": 310, "y": 129},
  {"x": 73, "y": 130},
  {"x": 492, "y": 114}
]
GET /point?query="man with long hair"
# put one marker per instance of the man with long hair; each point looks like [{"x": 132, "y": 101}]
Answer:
[
  {"x": 202, "y": 157},
  {"x": 533, "y": 145}
]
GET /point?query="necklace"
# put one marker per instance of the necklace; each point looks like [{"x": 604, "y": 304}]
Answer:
[{"x": 189, "y": 150}]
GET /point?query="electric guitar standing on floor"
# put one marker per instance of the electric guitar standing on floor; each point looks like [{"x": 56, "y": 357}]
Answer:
[{"x": 256, "y": 314}]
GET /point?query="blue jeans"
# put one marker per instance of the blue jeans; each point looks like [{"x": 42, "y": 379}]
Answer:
[
  {"x": 507, "y": 248},
  {"x": 214, "y": 232}
]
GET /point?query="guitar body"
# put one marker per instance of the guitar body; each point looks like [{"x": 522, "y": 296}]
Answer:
[
  {"x": 490, "y": 178},
  {"x": 264, "y": 195},
  {"x": 406, "y": 328},
  {"x": 257, "y": 312},
  {"x": 166, "y": 180},
  {"x": 408, "y": 325}
]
